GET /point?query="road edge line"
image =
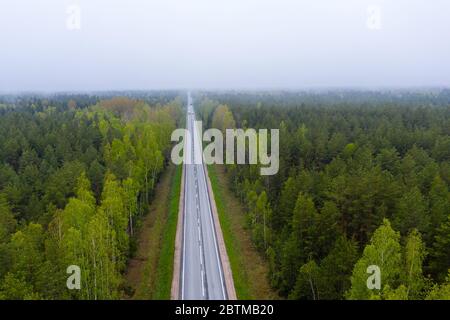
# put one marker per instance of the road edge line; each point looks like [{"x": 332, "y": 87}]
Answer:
[
  {"x": 226, "y": 267},
  {"x": 175, "y": 290}
]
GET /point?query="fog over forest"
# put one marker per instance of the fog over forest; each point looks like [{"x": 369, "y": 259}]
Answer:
[{"x": 53, "y": 45}]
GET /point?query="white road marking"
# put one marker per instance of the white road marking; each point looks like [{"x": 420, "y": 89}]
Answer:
[
  {"x": 184, "y": 236},
  {"x": 214, "y": 237},
  {"x": 203, "y": 284},
  {"x": 195, "y": 147}
]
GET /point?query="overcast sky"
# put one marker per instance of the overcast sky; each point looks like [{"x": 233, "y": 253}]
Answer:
[{"x": 157, "y": 44}]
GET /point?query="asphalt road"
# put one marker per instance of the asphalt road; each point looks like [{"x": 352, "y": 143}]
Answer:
[{"x": 201, "y": 270}]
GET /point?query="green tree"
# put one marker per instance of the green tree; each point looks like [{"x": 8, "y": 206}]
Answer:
[
  {"x": 286, "y": 205},
  {"x": 205, "y": 109},
  {"x": 301, "y": 245},
  {"x": 102, "y": 253},
  {"x": 336, "y": 269},
  {"x": 308, "y": 281},
  {"x": 440, "y": 255},
  {"x": 7, "y": 222},
  {"x": 440, "y": 292},
  {"x": 264, "y": 218},
  {"x": 80, "y": 209},
  {"x": 26, "y": 247},
  {"x": 414, "y": 255},
  {"x": 223, "y": 118},
  {"x": 439, "y": 202},
  {"x": 383, "y": 251},
  {"x": 130, "y": 194},
  {"x": 114, "y": 208},
  {"x": 149, "y": 157},
  {"x": 16, "y": 287},
  {"x": 411, "y": 212}
]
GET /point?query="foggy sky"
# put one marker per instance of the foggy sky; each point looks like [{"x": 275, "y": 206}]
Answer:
[{"x": 159, "y": 44}]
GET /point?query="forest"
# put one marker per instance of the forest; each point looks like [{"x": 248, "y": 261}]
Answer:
[
  {"x": 77, "y": 173},
  {"x": 364, "y": 180}
]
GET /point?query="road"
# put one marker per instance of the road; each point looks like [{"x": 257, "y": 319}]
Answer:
[{"x": 202, "y": 275}]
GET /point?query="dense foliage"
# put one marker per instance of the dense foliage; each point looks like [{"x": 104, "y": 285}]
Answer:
[
  {"x": 76, "y": 174},
  {"x": 364, "y": 180}
]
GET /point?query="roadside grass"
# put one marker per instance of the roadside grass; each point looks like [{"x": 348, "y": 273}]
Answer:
[
  {"x": 248, "y": 267},
  {"x": 165, "y": 264},
  {"x": 149, "y": 273}
]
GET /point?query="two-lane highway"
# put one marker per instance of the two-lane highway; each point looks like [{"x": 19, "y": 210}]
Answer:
[{"x": 201, "y": 269}]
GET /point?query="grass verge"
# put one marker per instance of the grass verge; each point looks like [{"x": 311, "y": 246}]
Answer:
[
  {"x": 165, "y": 263},
  {"x": 249, "y": 269},
  {"x": 149, "y": 273}
]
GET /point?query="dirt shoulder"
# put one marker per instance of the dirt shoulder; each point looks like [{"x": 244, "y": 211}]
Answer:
[
  {"x": 142, "y": 273},
  {"x": 249, "y": 269}
]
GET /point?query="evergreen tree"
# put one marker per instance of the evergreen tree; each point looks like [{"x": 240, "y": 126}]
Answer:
[
  {"x": 7, "y": 222},
  {"x": 412, "y": 212},
  {"x": 440, "y": 256}
]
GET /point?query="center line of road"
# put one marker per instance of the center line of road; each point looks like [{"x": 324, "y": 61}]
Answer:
[
  {"x": 215, "y": 243},
  {"x": 209, "y": 260},
  {"x": 203, "y": 284},
  {"x": 201, "y": 252}
]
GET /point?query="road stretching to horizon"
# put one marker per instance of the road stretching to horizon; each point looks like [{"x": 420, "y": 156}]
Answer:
[{"x": 202, "y": 275}]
